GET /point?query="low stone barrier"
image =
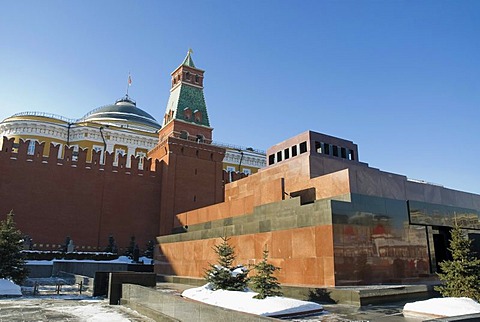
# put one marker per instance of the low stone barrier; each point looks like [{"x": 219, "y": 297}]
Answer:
[
  {"x": 39, "y": 270},
  {"x": 83, "y": 268},
  {"x": 161, "y": 306},
  {"x": 351, "y": 295},
  {"x": 463, "y": 318},
  {"x": 89, "y": 268}
]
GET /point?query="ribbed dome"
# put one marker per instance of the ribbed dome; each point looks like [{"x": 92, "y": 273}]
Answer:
[{"x": 123, "y": 113}]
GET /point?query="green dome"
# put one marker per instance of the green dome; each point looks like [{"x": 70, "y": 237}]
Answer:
[{"x": 123, "y": 113}]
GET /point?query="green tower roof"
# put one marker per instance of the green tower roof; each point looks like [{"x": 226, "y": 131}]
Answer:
[
  {"x": 187, "y": 101},
  {"x": 188, "y": 97}
]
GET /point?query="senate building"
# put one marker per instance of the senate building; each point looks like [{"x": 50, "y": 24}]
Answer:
[{"x": 124, "y": 129}]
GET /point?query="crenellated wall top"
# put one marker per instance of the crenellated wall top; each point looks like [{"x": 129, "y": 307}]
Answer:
[{"x": 12, "y": 151}]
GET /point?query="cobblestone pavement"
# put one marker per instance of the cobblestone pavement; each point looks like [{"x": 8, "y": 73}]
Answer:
[
  {"x": 81, "y": 309},
  {"x": 69, "y": 309},
  {"x": 59, "y": 299}
]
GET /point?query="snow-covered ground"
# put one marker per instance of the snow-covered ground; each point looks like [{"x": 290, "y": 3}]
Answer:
[
  {"x": 63, "y": 308},
  {"x": 86, "y": 308},
  {"x": 244, "y": 302},
  {"x": 274, "y": 306},
  {"x": 8, "y": 288},
  {"x": 69, "y": 305},
  {"x": 442, "y": 307}
]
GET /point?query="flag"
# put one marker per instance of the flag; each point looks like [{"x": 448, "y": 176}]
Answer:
[{"x": 129, "y": 80}]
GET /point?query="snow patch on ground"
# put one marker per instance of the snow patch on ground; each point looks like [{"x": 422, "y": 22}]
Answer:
[
  {"x": 64, "y": 309},
  {"x": 92, "y": 313},
  {"x": 442, "y": 307},
  {"x": 9, "y": 288},
  {"x": 39, "y": 262},
  {"x": 244, "y": 301}
]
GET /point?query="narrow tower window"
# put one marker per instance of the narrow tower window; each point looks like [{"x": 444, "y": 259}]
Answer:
[
  {"x": 271, "y": 159},
  {"x": 326, "y": 148},
  {"x": 294, "y": 150},
  {"x": 303, "y": 147}
]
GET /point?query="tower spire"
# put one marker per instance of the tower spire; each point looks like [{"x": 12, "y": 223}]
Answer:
[{"x": 188, "y": 61}]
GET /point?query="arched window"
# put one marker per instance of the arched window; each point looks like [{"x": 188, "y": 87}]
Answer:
[
  {"x": 198, "y": 116},
  {"x": 200, "y": 138},
  {"x": 187, "y": 112},
  {"x": 184, "y": 135}
]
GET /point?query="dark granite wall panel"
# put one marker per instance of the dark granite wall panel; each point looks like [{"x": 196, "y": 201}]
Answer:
[
  {"x": 374, "y": 242},
  {"x": 440, "y": 215}
]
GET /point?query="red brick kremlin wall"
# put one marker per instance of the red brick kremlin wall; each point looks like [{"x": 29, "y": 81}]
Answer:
[
  {"x": 53, "y": 198},
  {"x": 192, "y": 178}
]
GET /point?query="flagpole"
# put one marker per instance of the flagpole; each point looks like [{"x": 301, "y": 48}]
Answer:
[{"x": 129, "y": 82}]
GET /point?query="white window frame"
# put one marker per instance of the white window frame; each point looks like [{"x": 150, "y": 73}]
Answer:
[
  {"x": 99, "y": 148},
  {"x": 60, "y": 149},
  {"x": 75, "y": 152},
  {"x": 31, "y": 147},
  {"x": 141, "y": 156},
  {"x": 118, "y": 151}
]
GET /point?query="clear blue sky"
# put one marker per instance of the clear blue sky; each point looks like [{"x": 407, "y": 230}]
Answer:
[{"x": 399, "y": 78}]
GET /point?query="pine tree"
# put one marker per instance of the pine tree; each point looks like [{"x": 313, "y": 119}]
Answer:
[
  {"x": 67, "y": 241},
  {"x": 12, "y": 261},
  {"x": 224, "y": 275},
  {"x": 112, "y": 245},
  {"x": 131, "y": 248},
  {"x": 150, "y": 249},
  {"x": 264, "y": 281},
  {"x": 461, "y": 275}
]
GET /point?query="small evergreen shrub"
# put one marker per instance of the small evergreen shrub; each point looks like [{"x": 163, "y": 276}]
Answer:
[
  {"x": 223, "y": 275},
  {"x": 112, "y": 245},
  {"x": 265, "y": 282},
  {"x": 150, "y": 249},
  {"x": 12, "y": 260},
  {"x": 131, "y": 247},
  {"x": 461, "y": 275}
]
